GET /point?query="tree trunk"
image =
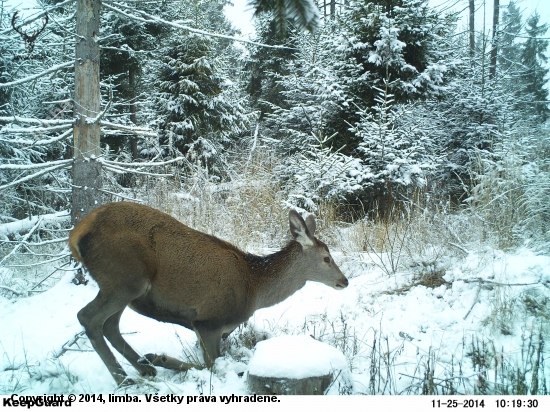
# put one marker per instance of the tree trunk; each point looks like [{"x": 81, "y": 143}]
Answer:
[
  {"x": 332, "y": 8},
  {"x": 494, "y": 49},
  {"x": 87, "y": 180},
  {"x": 472, "y": 32},
  {"x": 314, "y": 385}
]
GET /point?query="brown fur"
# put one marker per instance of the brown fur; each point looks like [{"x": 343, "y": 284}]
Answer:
[{"x": 146, "y": 259}]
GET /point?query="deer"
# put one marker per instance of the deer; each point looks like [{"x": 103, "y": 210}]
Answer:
[{"x": 149, "y": 261}]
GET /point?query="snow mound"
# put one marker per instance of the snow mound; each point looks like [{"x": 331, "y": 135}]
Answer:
[{"x": 295, "y": 357}]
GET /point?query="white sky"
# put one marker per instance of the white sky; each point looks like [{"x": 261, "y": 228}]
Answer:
[{"x": 241, "y": 16}]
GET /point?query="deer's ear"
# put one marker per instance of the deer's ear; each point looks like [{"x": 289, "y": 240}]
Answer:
[
  {"x": 311, "y": 224},
  {"x": 299, "y": 229}
]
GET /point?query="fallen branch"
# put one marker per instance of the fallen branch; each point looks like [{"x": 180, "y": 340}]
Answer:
[
  {"x": 490, "y": 282},
  {"x": 467, "y": 252},
  {"x": 121, "y": 196},
  {"x": 475, "y": 300},
  {"x": 26, "y": 224},
  {"x": 45, "y": 242},
  {"x": 44, "y": 262},
  {"x": 16, "y": 248},
  {"x": 11, "y": 290},
  {"x": 65, "y": 348},
  {"x": 47, "y": 277}
]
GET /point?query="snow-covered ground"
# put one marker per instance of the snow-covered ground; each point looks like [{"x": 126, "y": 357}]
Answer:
[{"x": 39, "y": 352}]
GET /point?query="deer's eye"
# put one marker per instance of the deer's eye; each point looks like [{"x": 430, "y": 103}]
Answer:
[{"x": 327, "y": 260}]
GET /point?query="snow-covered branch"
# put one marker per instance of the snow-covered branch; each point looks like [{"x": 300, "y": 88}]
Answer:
[
  {"x": 27, "y": 236},
  {"x": 10, "y": 290},
  {"x": 53, "y": 139},
  {"x": 148, "y": 18},
  {"x": 37, "y": 174},
  {"x": 29, "y": 142},
  {"x": 27, "y": 120},
  {"x": 33, "y": 130},
  {"x": 120, "y": 167},
  {"x": 39, "y": 15},
  {"x": 142, "y": 131},
  {"x": 121, "y": 170},
  {"x": 144, "y": 164},
  {"x": 131, "y": 199},
  {"x": 38, "y": 75},
  {"x": 27, "y": 224},
  {"x": 36, "y": 165},
  {"x": 43, "y": 243}
]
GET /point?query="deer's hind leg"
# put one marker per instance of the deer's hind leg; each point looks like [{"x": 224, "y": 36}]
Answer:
[
  {"x": 111, "y": 330},
  {"x": 95, "y": 314}
]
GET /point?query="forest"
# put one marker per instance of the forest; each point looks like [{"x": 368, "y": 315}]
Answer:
[{"x": 419, "y": 140}]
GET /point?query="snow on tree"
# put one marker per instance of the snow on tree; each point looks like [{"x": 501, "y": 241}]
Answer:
[
  {"x": 320, "y": 174},
  {"x": 199, "y": 106},
  {"x": 534, "y": 59}
]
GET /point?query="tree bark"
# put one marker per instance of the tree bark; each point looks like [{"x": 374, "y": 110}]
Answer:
[
  {"x": 494, "y": 49},
  {"x": 87, "y": 181}
]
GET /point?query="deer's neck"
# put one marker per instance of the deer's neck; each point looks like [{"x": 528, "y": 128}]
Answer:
[{"x": 275, "y": 277}]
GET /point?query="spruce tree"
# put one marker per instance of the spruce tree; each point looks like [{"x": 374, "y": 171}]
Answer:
[
  {"x": 198, "y": 105},
  {"x": 265, "y": 66},
  {"x": 534, "y": 59},
  {"x": 418, "y": 51}
]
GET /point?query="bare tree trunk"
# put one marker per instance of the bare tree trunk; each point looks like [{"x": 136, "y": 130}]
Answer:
[
  {"x": 332, "y": 8},
  {"x": 494, "y": 49},
  {"x": 472, "y": 32},
  {"x": 87, "y": 180}
]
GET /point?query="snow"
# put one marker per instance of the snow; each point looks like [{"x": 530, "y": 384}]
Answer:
[
  {"x": 295, "y": 357},
  {"x": 26, "y": 224},
  {"x": 410, "y": 326}
]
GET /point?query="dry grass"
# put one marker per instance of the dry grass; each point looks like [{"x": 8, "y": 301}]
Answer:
[{"x": 247, "y": 210}]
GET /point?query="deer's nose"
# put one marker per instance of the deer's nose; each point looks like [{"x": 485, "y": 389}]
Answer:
[{"x": 342, "y": 283}]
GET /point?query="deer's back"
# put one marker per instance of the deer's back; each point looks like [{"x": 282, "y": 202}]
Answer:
[{"x": 185, "y": 267}]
